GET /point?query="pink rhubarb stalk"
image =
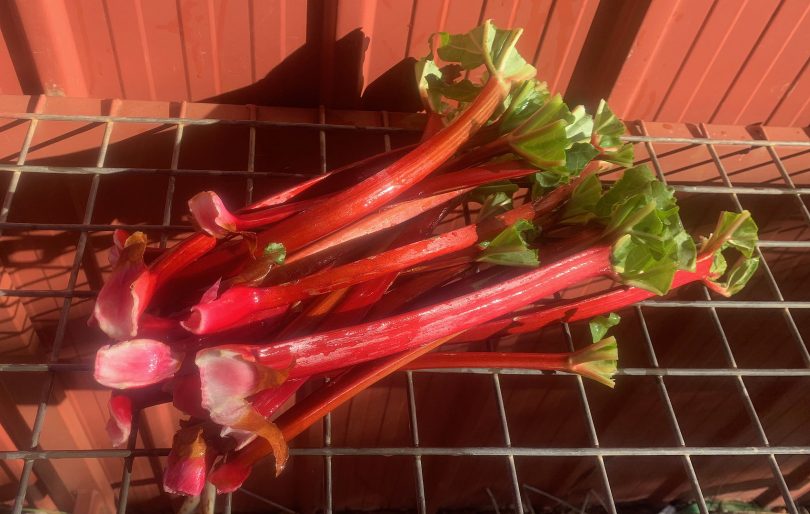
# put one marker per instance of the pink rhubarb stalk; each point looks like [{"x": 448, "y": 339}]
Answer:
[
  {"x": 597, "y": 361},
  {"x": 374, "y": 192},
  {"x": 388, "y": 217},
  {"x": 242, "y": 304},
  {"x": 326, "y": 351},
  {"x": 126, "y": 295},
  {"x": 188, "y": 462},
  {"x": 231, "y": 473}
]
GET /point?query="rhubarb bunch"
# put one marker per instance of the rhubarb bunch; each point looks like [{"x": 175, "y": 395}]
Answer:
[{"x": 466, "y": 236}]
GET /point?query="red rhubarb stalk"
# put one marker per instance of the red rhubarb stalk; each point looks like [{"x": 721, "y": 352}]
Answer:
[
  {"x": 374, "y": 192},
  {"x": 339, "y": 348},
  {"x": 596, "y": 361},
  {"x": 230, "y": 474},
  {"x": 242, "y": 304},
  {"x": 386, "y": 218}
]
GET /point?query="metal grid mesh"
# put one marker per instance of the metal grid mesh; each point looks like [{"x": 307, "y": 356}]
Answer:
[{"x": 417, "y": 451}]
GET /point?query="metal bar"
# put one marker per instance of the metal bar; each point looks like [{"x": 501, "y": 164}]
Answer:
[
  {"x": 8, "y": 199},
  {"x": 592, "y": 435},
  {"x": 507, "y": 440},
  {"x": 630, "y": 372},
  {"x": 707, "y": 141},
  {"x": 462, "y": 451},
  {"x": 92, "y": 227},
  {"x": 673, "y": 419},
  {"x": 202, "y": 121},
  {"x": 167, "y": 204},
  {"x": 251, "y": 163},
  {"x": 651, "y": 152},
  {"x": 327, "y": 420},
  {"x": 79, "y": 170},
  {"x": 61, "y": 327},
  {"x": 789, "y": 181},
  {"x": 421, "y": 501}
]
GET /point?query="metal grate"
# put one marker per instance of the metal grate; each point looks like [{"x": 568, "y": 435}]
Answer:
[{"x": 417, "y": 450}]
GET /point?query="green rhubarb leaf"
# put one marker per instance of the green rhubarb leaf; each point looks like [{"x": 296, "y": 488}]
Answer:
[
  {"x": 488, "y": 46},
  {"x": 580, "y": 125},
  {"x": 600, "y": 325},
  {"x": 737, "y": 277},
  {"x": 275, "y": 252},
  {"x": 597, "y": 361},
  {"x": 510, "y": 247},
  {"x": 607, "y": 127},
  {"x": 581, "y": 207},
  {"x": 493, "y": 205},
  {"x": 544, "y": 147},
  {"x": 637, "y": 266},
  {"x": 462, "y": 91},
  {"x": 622, "y": 156},
  {"x": 524, "y": 100},
  {"x": 735, "y": 232},
  {"x": 641, "y": 212},
  {"x": 607, "y": 132}
]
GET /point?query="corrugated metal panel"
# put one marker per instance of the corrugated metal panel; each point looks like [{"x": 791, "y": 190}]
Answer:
[
  {"x": 202, "y": 49},
  {"x": 719, "y": 61}
]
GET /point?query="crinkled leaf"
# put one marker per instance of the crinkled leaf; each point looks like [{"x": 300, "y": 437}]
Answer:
[
  {"x": 607, "y": 127},
  {"x": 638, "y": 267},
  {"x": 719, "y": 265},
  {"x": 737, "y": 277},
  {"x": 581, "y": 206},
  {"x": 552, "y": 111},
  {"x": 736, "y": 230},
  {"x": 600, "y": 325},
  {"x": 622, "y": 156},
  {"x": 510, "y": 248},
  {"x": 486, "y": 45},
  {"x": 544, "y": 147},
  {"x": 461, "y": 91},
  {"x": 580, "y": 125},
  {"x": 493, "y": 205},
  {"x": 523, "y": 101},
  {"x": 576, "y": 158},
  {"x": 597, "y": 361}
]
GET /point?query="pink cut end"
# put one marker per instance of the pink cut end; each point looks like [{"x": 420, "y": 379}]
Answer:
[
  {"x": 124, "y": 296},
  {"x": 211, "y": 215},
  {"x": 235, "y": 308},
  {"x": 135, "y": 363},
  {"x": 187, "y": 466},
  {"x": 119, "y": 425}
]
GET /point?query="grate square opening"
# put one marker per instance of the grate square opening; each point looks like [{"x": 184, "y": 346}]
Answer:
[
  {"x": 760, "y": 338},
  {"x": 710, "y": 411}
]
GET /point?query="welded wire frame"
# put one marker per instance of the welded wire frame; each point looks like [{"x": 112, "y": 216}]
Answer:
[{"x": 416, "y": 450}]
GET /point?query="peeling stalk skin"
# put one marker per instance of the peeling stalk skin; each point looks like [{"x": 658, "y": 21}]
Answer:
[{"x": 376, "y": 191}]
